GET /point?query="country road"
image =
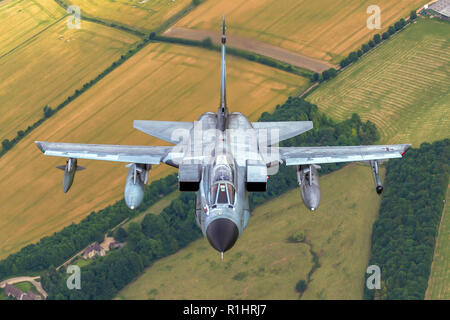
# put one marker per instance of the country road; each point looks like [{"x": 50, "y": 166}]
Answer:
[
  {"x": 26, "y": 279},
  {"x": 255, "y": 46}
]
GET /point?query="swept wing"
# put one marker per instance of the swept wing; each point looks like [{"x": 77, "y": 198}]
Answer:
[
  {"x": 316, "y": 155},
  {"x": 119, "y": 153}
]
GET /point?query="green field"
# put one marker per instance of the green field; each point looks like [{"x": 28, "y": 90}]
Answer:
[
  {"x": 264, "y": 264},
  {"x": 326, "y": 29},
  {"x": 25, "y": 286},
  {"x": 50, "y": 67},
  {"x": 157, "y": 83},
  {"x": 82, "y": 262},
  {"x": 144, "y": 15},
  {"x": 21, "y": 20},
  {"x": 439, "y": 282},
  {"x": 402, "y": 86}
]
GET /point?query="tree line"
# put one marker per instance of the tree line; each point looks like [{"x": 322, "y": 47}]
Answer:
[
  {"x": 155, "y": 237},
  {"x": 404, "y": 234},
  {"x": 49, "y": 112},
  {"x": 377, "y": 39},
  {"x": 53, "y": 250},
  {"x": 208, "y": 44}
]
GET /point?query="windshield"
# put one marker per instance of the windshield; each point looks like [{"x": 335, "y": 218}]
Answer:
[
  {"x": 223, "y": 173},
  {"x": 222, "y": 193}
]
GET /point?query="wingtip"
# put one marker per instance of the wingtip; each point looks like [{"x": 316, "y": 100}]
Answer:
[
  {"x": 39, "y": 145},
  {"x": 407, "y": 146}
]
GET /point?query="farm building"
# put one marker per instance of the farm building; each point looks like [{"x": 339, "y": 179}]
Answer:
[
  {"x": 441, "y": 8},
  {"x": 93, "y": 250},
  {"x": 19, "y": 295}
]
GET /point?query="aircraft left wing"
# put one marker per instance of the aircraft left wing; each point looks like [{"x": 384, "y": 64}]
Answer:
[
  {"x": 119, "y": 153},
  {"x": 317, "y": 155}
]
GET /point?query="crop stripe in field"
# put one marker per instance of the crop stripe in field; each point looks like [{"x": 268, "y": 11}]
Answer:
[
  {"x": 125, "y": 27},
  {"x": 241, "y": 53},
  {"x": 32, "y": 37},
  {"x": 43, "y": 9},
  {"x": 421, "y": 68}
]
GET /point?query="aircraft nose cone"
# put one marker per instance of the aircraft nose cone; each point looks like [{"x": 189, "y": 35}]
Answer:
[{"x": 222, "y": 234}]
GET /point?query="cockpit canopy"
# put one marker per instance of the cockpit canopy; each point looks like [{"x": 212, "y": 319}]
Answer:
[
  {"x": 222, "y": 193},
  {"x": 223, "y": 173},
  {"x": 222, "y": 180}
]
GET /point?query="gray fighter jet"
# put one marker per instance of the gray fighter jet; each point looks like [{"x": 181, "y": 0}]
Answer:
[{"x": 222, "y": 157}]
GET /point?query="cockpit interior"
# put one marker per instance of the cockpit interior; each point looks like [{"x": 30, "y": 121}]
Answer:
[{"x": 222, "y": 189}]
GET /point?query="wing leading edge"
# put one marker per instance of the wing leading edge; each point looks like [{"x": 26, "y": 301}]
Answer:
[
  {"x": 317, "y": 155},
  {"x": 118, "y": 153}
]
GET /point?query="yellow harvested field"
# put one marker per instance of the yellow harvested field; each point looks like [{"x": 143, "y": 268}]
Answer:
[
  {"x": 144, "y": 15},
  {"x": 264, "y": 264},
  {"x": 20, "y": 20},
  {"x": 325, "y": 29},
  {"x": 161, "y": 82},
  {"x": 51, "y": 67},
  {"x": 402, "y": 86}
]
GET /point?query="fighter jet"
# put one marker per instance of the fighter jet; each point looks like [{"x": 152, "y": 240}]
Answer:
[{"x": 223, "y": 157}]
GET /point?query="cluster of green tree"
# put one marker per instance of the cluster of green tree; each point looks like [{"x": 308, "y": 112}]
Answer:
[
  {"x": 115, "y": 25},
  {"x": 326, "y": 132},
  {"x": 54, "y": 250},
  {"x": 8, "y": 144},
  {"x": 48, "y": 111},
  {"x": 404, "y": 234},
  {"x": 377, "y": 39},
  {"x": 208, "y": 44},
  {"x": 324, "y": 76},
  {"x": 155, "y": 237}
]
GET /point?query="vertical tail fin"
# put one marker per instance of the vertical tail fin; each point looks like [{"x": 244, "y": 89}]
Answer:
[{"x": 223, "y": 110}]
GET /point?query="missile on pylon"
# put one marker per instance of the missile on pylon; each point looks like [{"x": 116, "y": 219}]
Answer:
[{"x": 69, "y": 173}]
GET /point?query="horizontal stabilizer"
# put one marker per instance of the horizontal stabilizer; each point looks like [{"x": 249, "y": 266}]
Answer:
[
  {"x": 170, "y": 131},
  {"x": 282, "y": 130}
]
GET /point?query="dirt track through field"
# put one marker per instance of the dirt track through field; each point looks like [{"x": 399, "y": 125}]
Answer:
[{"x": 255, "y": 46}]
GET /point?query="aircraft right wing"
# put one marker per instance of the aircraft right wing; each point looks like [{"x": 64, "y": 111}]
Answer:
[{"x": 120, "y": 153}]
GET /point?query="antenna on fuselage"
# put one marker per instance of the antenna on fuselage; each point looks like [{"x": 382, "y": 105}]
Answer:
[{"x": 223, "y": 109}]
